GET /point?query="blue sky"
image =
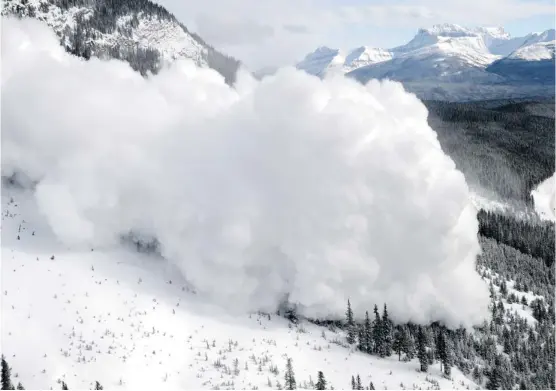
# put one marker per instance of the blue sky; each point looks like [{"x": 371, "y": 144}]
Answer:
[{"x": 269, "y": 33}]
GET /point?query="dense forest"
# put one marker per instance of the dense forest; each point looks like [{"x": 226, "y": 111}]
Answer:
[
  {"x": 102, "y": 17},
  {"x": 506, "y": 148},
  {"x": 507, "y": 352}
]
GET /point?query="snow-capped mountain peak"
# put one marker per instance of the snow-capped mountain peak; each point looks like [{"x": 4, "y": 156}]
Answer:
[
  {"x": 322, "y": 60},
  {"x": 493, "y": 32},
  {"x": 446, "y": 30}
]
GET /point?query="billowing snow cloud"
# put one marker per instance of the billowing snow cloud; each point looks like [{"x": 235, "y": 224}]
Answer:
[
  {"x": 544, "y": 197},
  {"x": 322, "y": 190}
]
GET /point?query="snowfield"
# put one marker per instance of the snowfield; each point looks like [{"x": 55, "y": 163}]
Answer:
[{"x": 130, "y": 321}]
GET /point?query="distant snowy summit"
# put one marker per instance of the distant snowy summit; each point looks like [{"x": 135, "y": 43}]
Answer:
[{"x": 444, "y": 53}]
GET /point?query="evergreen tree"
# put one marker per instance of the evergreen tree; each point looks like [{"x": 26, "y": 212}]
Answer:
[
  {"x": 495, "y": 376},
  {"x": 353, "y": 384},
  {"x": 444, "y": 352},
  {"x": 321, "y": 382},
  {"x": 398, "y": 343},
  {"x": 289, "y": 376},
  {"x": 20, "y": 386},
  {"x": 350, "y": 324},
  {"x": 98, "y": 386},
  {"x": 368, "y": 334},
  {"x": 422, "y": 351},
  {"x": 386, "y": 325},
  {"x": 358, "y": 383},
  {"x": 64, "y": 385},
  {"x": 371, "y": 386},
  {"x": 408, "y": 343},
  {"x": 6, "y": 376},
  {"x": 377, "y": 332},
  {"x": 504, "y": 289},
  {"x": 361, "y": 338}
]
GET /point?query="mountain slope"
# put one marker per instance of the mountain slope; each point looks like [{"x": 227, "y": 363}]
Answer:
[
  {"x": 140, "y": 32},
  {"x": 532, "y": 62},
  {"x": 129, "y": 321}
]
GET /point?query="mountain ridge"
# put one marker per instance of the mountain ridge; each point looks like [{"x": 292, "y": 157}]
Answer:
[
  {"x": 448, "y": 53},
  {"x": 140, "y": 32}
]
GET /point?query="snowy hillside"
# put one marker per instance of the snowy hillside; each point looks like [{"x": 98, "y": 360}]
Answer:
[
  {"x": 142, "y": 33},
  {"x": 534, "y": 52},
  {"x": 365, "y": 55},
  {"x": 130, "y": 321}
]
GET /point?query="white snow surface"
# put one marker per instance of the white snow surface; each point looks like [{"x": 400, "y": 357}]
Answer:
[
  {"x": 544, "y": 197},
  {"x": 365, "y": 55},
  {"x": 534, "y": 52},
  {"x": 293, "y": 186},
  {"x": 130, "y": 321}
]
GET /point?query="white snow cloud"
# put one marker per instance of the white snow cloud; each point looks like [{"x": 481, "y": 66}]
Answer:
[
  {"x": 321, "y": 189},
  {"x": 544, "y": 197}
]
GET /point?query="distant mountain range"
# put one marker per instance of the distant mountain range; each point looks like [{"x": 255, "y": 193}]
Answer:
[
  {"x": 140, "y": 32},
  {"x": 451, "y": 62}
]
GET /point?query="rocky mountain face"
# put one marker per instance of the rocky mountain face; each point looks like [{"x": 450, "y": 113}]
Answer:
[{"x": 139, "y": 32}]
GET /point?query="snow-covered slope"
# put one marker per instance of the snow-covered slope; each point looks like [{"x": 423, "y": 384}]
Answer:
[
  {"x": 498, "y": 41},
  {"x": 365, "y": 55},
  {"x": 534, "y": 52},
  {"x": 142, "y": 33},
  {"x": 544, "y": 197},
  {"x": 129, "y": 321},
  {"x": 534, "y": 61}
]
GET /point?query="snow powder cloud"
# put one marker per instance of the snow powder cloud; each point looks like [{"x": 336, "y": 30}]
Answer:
[
  {"x": 322, "y": 190},
  {"x": 544, "y": 197}
]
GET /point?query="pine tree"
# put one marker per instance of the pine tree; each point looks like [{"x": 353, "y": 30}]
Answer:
[
  {"x": 495, "y": 376},
  {"x": 398, "y": 343},
  {"x": 98, "y": 386},
  {"x": 350, "y": 324},
  {"x": 358, "y": 383},
  {"x": 361, "y": 338},
  {"x": 371, "y": 386},
  {"x": 444, "y": 352},
  {"x": 353, "y": 384},
  {"x": 386, "y": 332},
  {"x": 377, "y": 332},
  {"x": 504, "y": 289},
  {"x": 6, "y": 376},
  {"x": 368, "y": 334},
  {"x": 422, "y": 351},
  {"x": 64, "y": 385},
  {"x": 321, "y": 382},
  {"x": 20, "y": 386},
  {"x": 289, "y": 376},
  {"x": 408, "y": 343}
]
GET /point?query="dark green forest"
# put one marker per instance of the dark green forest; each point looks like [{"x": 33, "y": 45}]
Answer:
[{"x": 503, "y": 147}]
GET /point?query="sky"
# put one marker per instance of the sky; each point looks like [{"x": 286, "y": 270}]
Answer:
[{"x": 272, "y": 33}]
